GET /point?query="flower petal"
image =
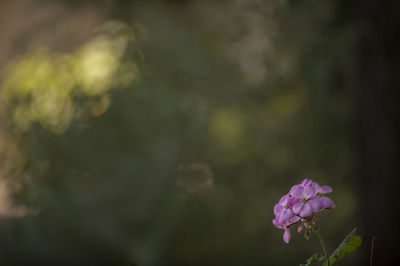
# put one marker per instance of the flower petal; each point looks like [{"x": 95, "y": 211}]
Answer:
[
  {"x": 297, "y": 207},
  {"x": 308, "y": 192},
  {"x": 316, "y": 186},
  {"x": 291, "y": 202},
  {"x": 278, "y": 209},
  {"x": 327, "y": 203},
  {"x": 276, "y": 223},
  {"x": 296, "y": 191},
  {"x": 305, "y": 182},
  {"x": 315, "y": 203},
  {"x": 286, "y": 236},
  {"x": 293, "y": 220},
  {"x": 325, "y": 189},
  {"x": 283, "y": 201},
  {"x": 285, "y": 216},
  {"x": 306, "y": 211}
]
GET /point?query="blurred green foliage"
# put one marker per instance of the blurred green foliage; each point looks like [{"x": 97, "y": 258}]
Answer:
[
  {"x": 42, "y": 86},
  {"x": 236, "y": 101}
]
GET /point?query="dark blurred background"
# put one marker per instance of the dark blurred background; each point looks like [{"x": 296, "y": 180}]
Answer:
[{"x": 163, "y": 132}]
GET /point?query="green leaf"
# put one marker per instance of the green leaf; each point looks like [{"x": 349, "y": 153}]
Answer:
[
  {"x": 313, "y": 259},
  {"x": 349, "y": 244}
]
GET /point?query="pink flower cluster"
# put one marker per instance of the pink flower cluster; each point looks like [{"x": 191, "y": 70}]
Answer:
[{"x": 300, "y": 205}]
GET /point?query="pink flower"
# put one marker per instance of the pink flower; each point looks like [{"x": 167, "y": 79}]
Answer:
[{"x": 300, "y": 206}]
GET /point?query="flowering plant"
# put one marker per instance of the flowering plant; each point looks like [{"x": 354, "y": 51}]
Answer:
[{"x": 300, "y": 207}]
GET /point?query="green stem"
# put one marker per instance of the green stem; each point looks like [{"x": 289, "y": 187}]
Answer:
[{"x": 323, "y": 247}]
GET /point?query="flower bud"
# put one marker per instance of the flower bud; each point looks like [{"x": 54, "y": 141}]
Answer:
[
  {"x": 307, "y": 234},
  {"x": 300, "y": 229}
]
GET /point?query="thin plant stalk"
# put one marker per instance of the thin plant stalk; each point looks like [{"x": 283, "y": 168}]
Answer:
[
  {"x": 323, "y": 247},
  {"x": 372, "y": 250}
]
